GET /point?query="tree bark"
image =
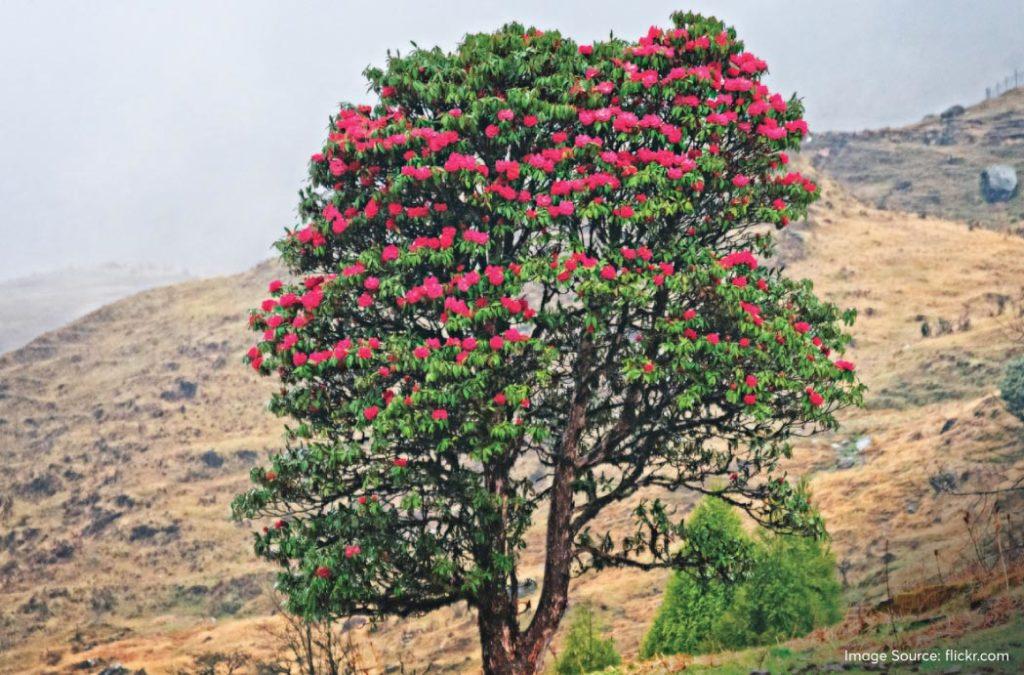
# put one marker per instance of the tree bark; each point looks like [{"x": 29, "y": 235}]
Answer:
[
  {"x": 554, "y": 597},
  {"x": 498, "y": 642},
  {"x": 506, "y": 650}
]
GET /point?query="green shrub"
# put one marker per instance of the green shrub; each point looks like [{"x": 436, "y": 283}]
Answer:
[
  {"x": 790, "y": 589},
  {"x": 1012, "y": 388},
  {"x": 586, "y": 649},
  {"x": 692, "y": 604}
]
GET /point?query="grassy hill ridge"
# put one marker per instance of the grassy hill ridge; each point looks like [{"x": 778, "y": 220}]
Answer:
[{"x": 933, "y": 167}]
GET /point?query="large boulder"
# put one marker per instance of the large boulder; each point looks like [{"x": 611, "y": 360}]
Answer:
[{"x": 998, "y": 183}]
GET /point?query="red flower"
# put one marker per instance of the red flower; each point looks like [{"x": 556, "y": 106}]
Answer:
[
  {"x": 844, "y": 365},
  {"x": 270, "y": 475},
  {"x": 586, "y": 50},
  {"x": 400, "y": 462},
  {"x": 323, "y": 572},
  {"x": 648, "y": 367},
  {"x": 739, "y": 258},
  {"x": 275, "y": 286},
  {"x": 712, "y": 338},
  {"x": 352, "y": 550},
  {"x": 440, "y": 414},
  {"x": 496, "y": 342},
  {"x": 801, "y": 327},
  {"x": 371, "y": 412},
  {"x": 750, "y": 399},
  {"x": 751, "y": 381},
  {"x": 500, "y": 399},
  {"x": 815, "y": 398}
]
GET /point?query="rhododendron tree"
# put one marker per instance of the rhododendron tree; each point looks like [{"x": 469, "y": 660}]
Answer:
[{"x": 527, "y": 284}]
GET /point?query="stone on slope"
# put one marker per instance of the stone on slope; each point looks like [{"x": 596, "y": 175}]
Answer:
[{"x": 998, "y": 183}]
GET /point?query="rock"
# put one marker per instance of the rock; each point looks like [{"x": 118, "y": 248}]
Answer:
[
  {"x": 947, "y": 425},
  {"x": 846, "y": 463},
  {"x": 354, "y": 623},
  {"x": 212, "y": 459},
  {"x": 526, "y": 587},
  {"x": 114, "y": 669},
  {"x": 943, "y": 481},
  {"x": 145, "y": 532},
  {"x": 998, "y": 183},
  {"x": 183, "y": 390},
  {"x": 247, "y": 456}
]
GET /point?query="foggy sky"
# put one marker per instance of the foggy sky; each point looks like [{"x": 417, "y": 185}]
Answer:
[{"x": 176, "y": 133}]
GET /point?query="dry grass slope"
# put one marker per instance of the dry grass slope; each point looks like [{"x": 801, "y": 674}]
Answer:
[{"x": 126, "y": 434}]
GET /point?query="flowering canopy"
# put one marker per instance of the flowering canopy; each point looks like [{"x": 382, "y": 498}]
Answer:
[{"x": 533, "y": 274}]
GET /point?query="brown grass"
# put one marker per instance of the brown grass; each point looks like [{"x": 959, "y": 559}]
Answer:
[{"x": 83, "y": 412}]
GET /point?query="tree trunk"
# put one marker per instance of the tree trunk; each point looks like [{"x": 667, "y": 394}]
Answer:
[
  {"x": 554, "y": 597},
  {"x": 505, "y": 649},
  {"x": 498, "y": 637}
]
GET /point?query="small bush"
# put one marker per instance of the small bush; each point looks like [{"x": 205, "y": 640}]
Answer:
[
  {"x": 1012, "y": 388},
  {"x": 586, "y": 649},
  {"x": 686, "y": 617},
  {"x": 691, "y": 604},
  {"x": 791, "y": 588}
]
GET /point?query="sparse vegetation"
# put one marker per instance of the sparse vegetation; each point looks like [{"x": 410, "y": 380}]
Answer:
[
  {"x": 586, "y": 648},
  {"x": 324, "y": 647},
  {"x": 1012, "y": 388}
]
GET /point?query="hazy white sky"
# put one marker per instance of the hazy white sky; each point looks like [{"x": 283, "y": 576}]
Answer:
[{"x": 176, "y": 133}]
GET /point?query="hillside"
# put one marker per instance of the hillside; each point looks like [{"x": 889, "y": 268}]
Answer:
[
  {"x": 126, "y": 434},
  {"x": 35, "y": 304},
  {"x": 933, "y": 167}
]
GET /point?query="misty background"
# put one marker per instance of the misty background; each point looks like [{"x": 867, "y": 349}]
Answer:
[{"x": 175, "y": 135}]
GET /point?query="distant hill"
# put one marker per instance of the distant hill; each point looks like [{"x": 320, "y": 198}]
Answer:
[
  {"x": 32, "y": 305},
  {"x": 126, "y": 433},
  {"x": 934, "y": 166}
]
